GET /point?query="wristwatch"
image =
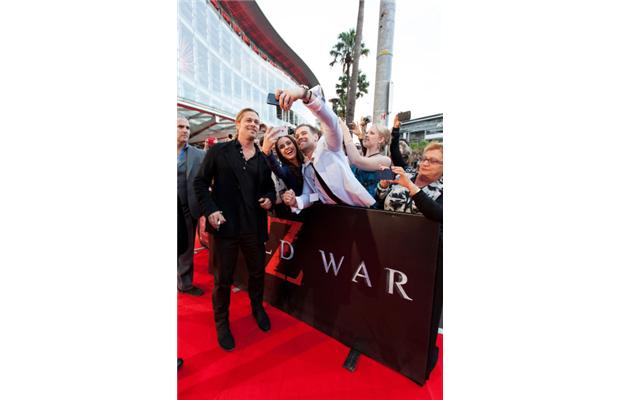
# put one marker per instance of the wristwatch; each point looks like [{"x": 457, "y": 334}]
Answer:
[{"x": 307, "y": 94}]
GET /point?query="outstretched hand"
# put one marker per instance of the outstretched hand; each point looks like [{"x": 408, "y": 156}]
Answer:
[
  {"x": 287, "y": 97},
  {"x": 355, "y": 128},
  {"x": 396, "y": 122},
  {"x": 269, "y": 140},
  {"x": 403, "y": 179}
]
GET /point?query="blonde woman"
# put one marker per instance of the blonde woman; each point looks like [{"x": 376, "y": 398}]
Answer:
[{"x": 365, "y": 168}]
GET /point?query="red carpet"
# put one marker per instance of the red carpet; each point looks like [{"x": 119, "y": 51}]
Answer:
[{"x": 292, "y": 361}]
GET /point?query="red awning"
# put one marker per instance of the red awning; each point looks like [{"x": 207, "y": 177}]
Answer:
[{"x": 253, "y": 23}]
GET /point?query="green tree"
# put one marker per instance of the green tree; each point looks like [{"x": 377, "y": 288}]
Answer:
[
  {"x": 343, "y": 53},
  {"x": 418, "y": 145},
  {"x": 342, "y": 88}
]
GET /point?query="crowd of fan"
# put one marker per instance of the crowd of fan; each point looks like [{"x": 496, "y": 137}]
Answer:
[{"x": 419, "y": 176}]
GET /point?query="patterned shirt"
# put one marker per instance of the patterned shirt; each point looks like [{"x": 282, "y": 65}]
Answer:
[{"x": 396, "y": 197}]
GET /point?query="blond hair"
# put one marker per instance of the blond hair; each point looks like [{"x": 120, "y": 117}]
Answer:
[
  {"x": 434, "y": 146},
  {"x": 385, "y": 133},
  {"x": 240, "y": 113}
]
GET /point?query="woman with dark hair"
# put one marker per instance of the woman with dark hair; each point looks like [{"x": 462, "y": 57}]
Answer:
[{"x": 288, "y": 168}]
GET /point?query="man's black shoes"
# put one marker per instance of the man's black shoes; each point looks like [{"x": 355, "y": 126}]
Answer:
[
  {"x": 261, "y": 318},
  {"x": 225, "y": 339},
  {"x": 193, "y": 291},
  {"x": 224, "y": 336}
]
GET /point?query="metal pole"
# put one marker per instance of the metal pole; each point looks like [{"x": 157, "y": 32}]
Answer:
[{"x": 385, "y": 41}]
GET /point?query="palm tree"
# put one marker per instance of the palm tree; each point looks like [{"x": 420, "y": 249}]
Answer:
[
  {"x": 352, "y": 94},
  {"x": 343, "y": 53},
  {"x": 342, "y": 90}
]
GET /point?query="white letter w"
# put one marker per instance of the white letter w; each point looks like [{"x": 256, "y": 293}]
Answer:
[{"x": 332, "y": 263}]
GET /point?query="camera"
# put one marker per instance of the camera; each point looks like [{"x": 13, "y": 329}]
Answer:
[
  {"x": 366, "y": 119},
  {"x": 404, "y": 116}
]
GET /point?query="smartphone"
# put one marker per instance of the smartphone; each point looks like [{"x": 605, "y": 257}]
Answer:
[
  {"x": 271, "y": 99},
  {"x": 404, "y": 116},
  {"x": 282, "y": 131},
  {"x": 386, "y": 174}
]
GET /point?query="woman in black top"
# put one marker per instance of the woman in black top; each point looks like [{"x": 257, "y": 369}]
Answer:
[
  {"x": 398, "y": 158},
  {"x": 417, "y": 192},
  {"x": 288, "y": 168}
]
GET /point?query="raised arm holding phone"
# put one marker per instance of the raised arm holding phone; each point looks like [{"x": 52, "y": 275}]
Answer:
[
  {"x": 327, "y": 175},
  {"x": 396, "y": 153},
  {"x": 367, "y": 169}
]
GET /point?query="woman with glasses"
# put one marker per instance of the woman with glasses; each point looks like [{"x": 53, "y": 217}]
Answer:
[{"x": 420, "y": 192}]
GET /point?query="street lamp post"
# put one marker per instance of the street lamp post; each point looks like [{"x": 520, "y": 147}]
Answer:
[{"x": 385, "y": 41}]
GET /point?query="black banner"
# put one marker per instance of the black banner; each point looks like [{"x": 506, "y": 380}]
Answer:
[{"x": 367, "y": 278}]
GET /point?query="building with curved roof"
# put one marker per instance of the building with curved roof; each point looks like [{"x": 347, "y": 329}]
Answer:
[{"x": 230, "y": 57}]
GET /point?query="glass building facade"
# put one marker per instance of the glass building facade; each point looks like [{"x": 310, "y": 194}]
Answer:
[{"x": 218, "y": 69}]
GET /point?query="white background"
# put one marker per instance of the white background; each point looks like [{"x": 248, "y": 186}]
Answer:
[{"x": 88, "y": 300}]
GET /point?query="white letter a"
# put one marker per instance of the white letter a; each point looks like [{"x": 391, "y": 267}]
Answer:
[{"x": 364, "y": 275}]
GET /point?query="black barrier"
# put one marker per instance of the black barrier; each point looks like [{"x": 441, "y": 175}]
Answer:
[{"x": 368, "y": 278}]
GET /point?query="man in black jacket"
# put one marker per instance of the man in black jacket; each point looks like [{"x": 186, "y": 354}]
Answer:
[{"x": 236, "y": 209}]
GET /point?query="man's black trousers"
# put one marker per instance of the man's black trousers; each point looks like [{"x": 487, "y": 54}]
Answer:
[{"x": 226, "y": 251}]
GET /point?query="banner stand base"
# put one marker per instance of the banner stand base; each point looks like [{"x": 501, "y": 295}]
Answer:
[{"x": 351, "y": 362}]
